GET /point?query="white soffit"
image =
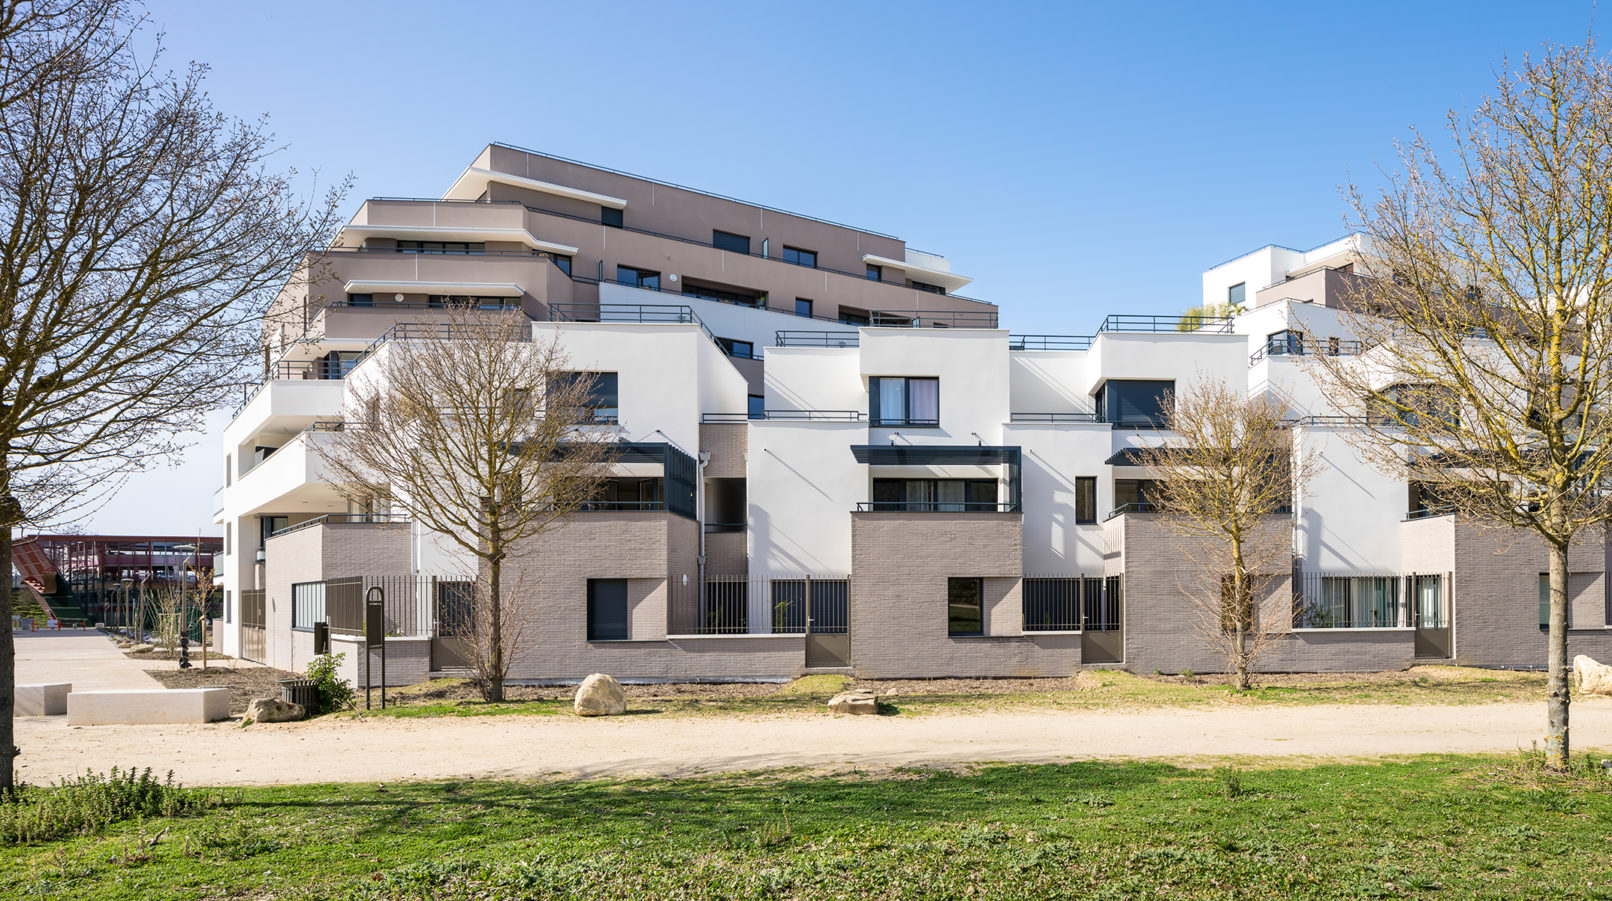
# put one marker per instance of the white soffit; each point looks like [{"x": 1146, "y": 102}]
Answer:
[
  {"x": 468, "y": 289},
  {"x": 473, "y": 181},
  {"x": 454, "y": 233},
  {"x": 919, "y": 273}
]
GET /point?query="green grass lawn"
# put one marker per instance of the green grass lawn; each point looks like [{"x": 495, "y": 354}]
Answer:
[
  {"x": 1101, "y": 689},
  {"x": 1435, "y": 827}
]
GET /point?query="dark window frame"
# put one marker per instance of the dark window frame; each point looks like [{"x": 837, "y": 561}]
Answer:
[
  {"x": 875, "y": 273},
  {"x": 302, "y": 607},
  {"x": 731, "y": 347},
  {"x": 756, "y": 406},
  {"x": 1119, "y": 414},
  {"x": 798, "y": 256},
  {"x": 612, "y": 629},
  {"x": 648, "y": 279},
  {"x": 925, "y": 286},
  {"x": 604, "y": 397},
  {"x": 730, "y": 242},
  {"x": 1237, "y": 294},
  {"x": 1085, "y": 500},
  {"x": 960, "y": 587},
  {"x": 875, "y": 414},
  {"x": 808, "y": 309},
  {"x": 609, "y": 215}
]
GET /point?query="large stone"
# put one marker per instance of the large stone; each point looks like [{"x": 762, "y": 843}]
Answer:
[
  {"x": 147, "y": 706},
  {"x": 600, "y": 695},
  {"x": 857, "y": 702},
  {"x": 1593, "y": 678},
  {"x": 142, "y": 649},
  {"x": 48, "y": 699},
  {"x": 274, "y": 710}
]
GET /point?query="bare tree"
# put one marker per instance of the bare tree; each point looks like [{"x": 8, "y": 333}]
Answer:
[
  {"x": 487, "y": 438},
  {"x": 1226, "y": 475},
  {"x": 142, "y": 234},
  {"x": 1488, "y": 330}
]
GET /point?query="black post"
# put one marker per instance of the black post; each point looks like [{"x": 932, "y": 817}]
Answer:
[{"x": 374, "y": 634}]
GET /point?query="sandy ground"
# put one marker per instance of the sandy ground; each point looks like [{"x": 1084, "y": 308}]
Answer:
[{"x": 519, "y": 747}]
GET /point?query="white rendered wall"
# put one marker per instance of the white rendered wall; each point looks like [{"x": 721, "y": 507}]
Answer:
[
  {"x": 1349, "y": 518},
  {"x": 802, "y": 485},
  {"x": 972, "y": 365},
  {"x": 1048, "y": 381},
  {"x": 815, "y": 378},
  {"x": 1053, "y": 457}
]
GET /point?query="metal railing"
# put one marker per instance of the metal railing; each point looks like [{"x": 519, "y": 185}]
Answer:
[
  {"x": 719, "y": 528},
  {"x": 1133, "y": 507},
  {"x": 786, "y": 415},
  {"x": 1189, "y": 324},
  {"x": 1053, "y": 417},
  {"x": 1429, "y": 512},
  {"x": 1071, "y": 603},
  {"x": 343, "y": 519},
  {"x": 654, "y": 313},
  {"x": 1290, "y": 347},
  {"x": 936, "y": 507},
  {"x": 405, "y": 600},
  {"x": 794, "y": 338},
  {"x": 1050, "y": 342},
  {"x": 761, "y": 605},
  {"x": 1353, "y": 601},
  {"x": 604, "y": 506},
  {"x": 505, "y": 305},
  {"x": 932, "y": 318}
]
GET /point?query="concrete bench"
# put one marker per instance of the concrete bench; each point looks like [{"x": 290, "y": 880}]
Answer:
[
  {"x": 147, "y": 707},
  {"x": 43, "y": 699}
]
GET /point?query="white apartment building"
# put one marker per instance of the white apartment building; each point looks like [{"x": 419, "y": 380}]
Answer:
[{"x": 827, "y": 468}]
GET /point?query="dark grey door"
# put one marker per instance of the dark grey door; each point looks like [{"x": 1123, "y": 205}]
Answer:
[
  {"x": 455, "y": 626},
  {"x": 1430, "y": 602},
  {"x": 828, "y": 623},
  {"x": 1102, "y": 636}
]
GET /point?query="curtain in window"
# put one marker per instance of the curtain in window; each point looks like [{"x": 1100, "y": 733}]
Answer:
[
  {"x": 920, "y": 494},
  {"x": 924, "y": 395},
  {"x": 1429, "y": 609},
  {"x": 951, "y": 497},
  {"x": 893, "y": 400}
]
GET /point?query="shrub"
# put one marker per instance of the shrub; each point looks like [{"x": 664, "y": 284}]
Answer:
[
  {"x": 90, "y": 803},
  {"x": 335, "y": 693}
]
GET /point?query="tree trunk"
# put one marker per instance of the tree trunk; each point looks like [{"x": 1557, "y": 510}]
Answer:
[
  {"x": 1243, "y": 619},
  {"x": 1557, "y": 693},
  {"x": 8, "y": 650},
  {"x": 495, "y": 630}
]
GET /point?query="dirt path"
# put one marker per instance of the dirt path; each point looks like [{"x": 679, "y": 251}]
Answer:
[{"x": 517, "y": 747}]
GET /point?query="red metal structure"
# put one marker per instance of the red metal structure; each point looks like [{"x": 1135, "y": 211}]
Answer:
[{"x": 84, "y": 578}]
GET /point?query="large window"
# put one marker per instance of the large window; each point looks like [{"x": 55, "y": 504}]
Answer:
[
  {"x": 628, "y": 494},
  {"x": 757, "y": 406},
  {"x": 800, "y": 257},
  {"x": 1573, "y": 591},
  {"x": 638, "y": 278},
  {"x": 803, "y": 307},
  {"x": 268, "y": 525},
  {"x": 307, "y": 605},
  {"x": 442, "y": 246},
  {"x": 925, "y": 286},
  {"x": 607, "y": 609},
  {"x": 1085, "y": 499},
  {"x": 1135, "y": 494},
  {"x": 733, "y": 347},
  {"x": 853, "y": 317},
  {"x": 1414, "y": 406},
  {"x": 965, "y": 606},
  {"x": 600, "y": 405},
  {"x": 361, "y": 300},
  {"x": 1284, "y": 343},
  {"x": 875, "y": 273},
  {"x": 904, "y": 401},
  {"x": 469, "y": 302},
  {"x": 934, "y": 495},
  {"x": 1135, "y": 402},
  {"x": 562, "y": 261},
  {"x": 717, "y": 294},
  {"x": 729, "y": 241},
  {"x": 611, "y": 216},
  {"x": 1237, "y": 293}
]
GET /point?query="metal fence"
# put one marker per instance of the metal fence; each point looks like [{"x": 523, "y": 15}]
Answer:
[
  {"x": 254, "y": 634},
  {"x": 1367, "y": 601},
  {"x": 1071, "y": 603},
  {"x": 407, "y": 601},
  {"x": 761, "y": 605}
]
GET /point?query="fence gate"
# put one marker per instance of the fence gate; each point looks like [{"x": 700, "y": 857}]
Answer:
[
  {"x": 1102, "y": 607},
  {"x": 455, "y": 604},
  {"x": 253, "y": 626},
  {"x": 1430, "y": 603},
  {"x": 828, "y": 619}
]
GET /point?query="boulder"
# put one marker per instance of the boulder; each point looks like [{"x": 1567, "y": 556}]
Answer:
[
  {"x": 142, "y": 649},
  {"x": 1593, "y": 678},
  {"x": 600, "y": 695},
  {"x": 857, "y": 702},
  {"x": 274, "y": 710}
]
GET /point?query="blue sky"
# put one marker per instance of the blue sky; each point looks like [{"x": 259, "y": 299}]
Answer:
[{"x": 1075, "y": 159}]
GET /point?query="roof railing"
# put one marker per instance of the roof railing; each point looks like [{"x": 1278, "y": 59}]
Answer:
[
  {"x": 1150, "y": 324},
  {"x": 794, "y": 338},
  {"x": 1050, "y": 342},
  {"x": 932, "y": 319},
  {"x": 343, "y": 519},
  {"x": 1054, "y": 417}
]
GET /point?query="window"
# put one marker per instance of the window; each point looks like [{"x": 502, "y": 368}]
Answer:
[
  {"x": 441, "y": 247},
  {"x": 307, "y": 605},
  {"x": 1236, "y": 294},
  {"x": 1423, "y": 498},
  {"x": 226, "y": 607},
  {"x": 628, "y": 494},
  {"x": 1135, "y": 494},
  {"x": 925, "y": 286},
  {"x": 228, "y": 531},
  {"x": 803, "y": 307},
  {"x": 468, "y": 302},
  {"x": 758, "y": 406},
  {"x": 904, "y": 401},
  {"x": 934, "y": 495},
  {"x": 607, "y": 609},
  {"x": 1285, "y": 343},
  {"x": 965, "y": 606},
  {"x": 721, "y": 296},
  {"x": 1414, "y": 405},
  {"x": 800, "y": 257},
  {"x": 361, "y": 300},
  {"x": 268, "y": 525},
  {"x": 1544, "y": 599},
  {"x": 1135, "y": 402},
  {"x": 875, "y": 273},
  {"x": 610, "y": 216},
  {"x": 853, "y": 317},
  {"x": 1085, "y": 499},
  {"x": 722, "y": 240},
  {"x": 562, "y": 261},
  {"x": 338, "y": 363},
  {"x": 638, "y": 278},
  {"x": 600, "y": 404},
  {"x": 733, "y": 347}
]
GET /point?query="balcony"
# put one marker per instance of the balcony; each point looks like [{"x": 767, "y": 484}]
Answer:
[
  {"x": 932, "y": 319},
  {"x": 1050, "y": 342},
  {"x": 786, "y": 416},
  {"x": 1163, "y": 325},
  {"x": 936, "y": 507},
  {"x": 1298, "y": 344}
]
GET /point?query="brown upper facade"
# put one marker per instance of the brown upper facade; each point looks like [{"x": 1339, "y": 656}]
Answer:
[{"x": 522, "y": 229}]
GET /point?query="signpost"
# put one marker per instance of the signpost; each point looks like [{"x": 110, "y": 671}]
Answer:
[{"x": 374, "y": 636}]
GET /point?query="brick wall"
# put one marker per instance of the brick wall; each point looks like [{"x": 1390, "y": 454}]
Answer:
[
  {"x": 725, "y": 554},
  {"x": 317, "y": 553},
  {"x": 408, "y": 661},
  {"x": 727, "y": 443},
  {"x": 900, "y": 566}
]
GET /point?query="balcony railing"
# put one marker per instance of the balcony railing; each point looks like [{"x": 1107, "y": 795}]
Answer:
[
  {"x": 1054, "y": 417},
  {"x": 1126, "y": 322},
  {"x": 932, "y": 318},
  {"x": 653, "y": 313},
  {"x": 760, "y": 605},
  {"x": 936, "y": 507},
  {"x": 1293, "y": 345},
  {"x": 610, "y": 506},
  {"x": 787, "y": 415},
  {"x": 343, "y": 519},
  {"x": 1050, "y": 342},
  {"x": 1133, "y": 507},
  {"x": 793, "y": 338},
  {"x": 716, "y": 528},
  {"x": 1429, "y": 512}
]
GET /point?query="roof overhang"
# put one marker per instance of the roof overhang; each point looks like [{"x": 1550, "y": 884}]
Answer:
[
  {"x": 942, "y": 277},
  {"x": 473, "y": 181},
  {"x": 468, "y": 289},
  {"x": 933, "y": 454},
  {"x": 455, "y": 233}
]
